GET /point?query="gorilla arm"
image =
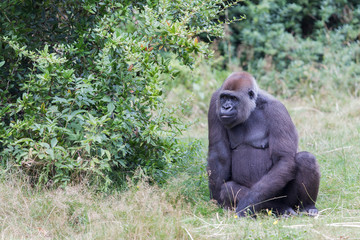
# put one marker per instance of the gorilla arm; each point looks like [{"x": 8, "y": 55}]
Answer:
[
  {"x": 219, "y": 155},
  {"x": 283, "y": 142}
]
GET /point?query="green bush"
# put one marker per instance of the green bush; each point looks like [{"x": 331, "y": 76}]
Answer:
[
  {"x": 80, "y": 87},
  {"x": 297, "y": 47}
]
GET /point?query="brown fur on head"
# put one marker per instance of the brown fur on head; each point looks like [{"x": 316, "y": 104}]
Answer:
[
  {"x": 241, "y": 87},
  {"x": 239, "y": 80}
]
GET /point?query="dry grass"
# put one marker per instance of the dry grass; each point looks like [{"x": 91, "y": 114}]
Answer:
[{"x": 144, "y": 212}]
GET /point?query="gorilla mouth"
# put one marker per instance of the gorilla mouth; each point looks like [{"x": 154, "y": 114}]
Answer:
[{"x": 227, "y": 116}]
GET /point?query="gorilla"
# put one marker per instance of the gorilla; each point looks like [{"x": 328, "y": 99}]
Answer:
[{"x": 253, "y": 163}]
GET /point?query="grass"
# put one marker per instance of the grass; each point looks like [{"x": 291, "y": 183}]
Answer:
[{"x": 328, "y": 126}]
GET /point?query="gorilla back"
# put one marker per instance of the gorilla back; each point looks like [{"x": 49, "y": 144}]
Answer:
[{"x": 253, "y": 162}]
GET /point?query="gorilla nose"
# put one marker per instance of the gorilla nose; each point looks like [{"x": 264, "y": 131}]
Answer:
[{"x": 227, "y": 106}]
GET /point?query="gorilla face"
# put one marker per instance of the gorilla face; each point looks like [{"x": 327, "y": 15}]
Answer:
[
  {"x": 228, "y": 106},
  {"x": 234, "y": 107}
]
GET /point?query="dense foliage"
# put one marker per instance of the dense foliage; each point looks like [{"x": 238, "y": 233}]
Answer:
[
  {"x": 80, "y": 87},
  {"x": 298, "y": 46}
]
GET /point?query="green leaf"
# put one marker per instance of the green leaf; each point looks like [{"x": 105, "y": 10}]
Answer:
[
  {"x": 110, "y": 107},
  {"x": 24, "y": 140},
  {"x": 54, "y": 141},
  {"x": 44, "y": 144},
  {"x": 50, "y": 151}
]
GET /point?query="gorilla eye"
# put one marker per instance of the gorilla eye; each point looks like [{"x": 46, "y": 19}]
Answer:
[{"x": 251, "y": 94}]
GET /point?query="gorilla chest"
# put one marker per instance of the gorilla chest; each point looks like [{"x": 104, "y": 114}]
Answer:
[
  {"x": 250, "y": 150},
  {"x": 253, "y": 132}
]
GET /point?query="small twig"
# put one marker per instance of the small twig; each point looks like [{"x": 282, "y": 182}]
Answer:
[
  {"x": 337, "y": 149},
  {"x": 345, "y": 224},
  {"x": 299, "y": 226},
  {"x": 188, "y": 233},
  {"x": 307, "y": 108},
  {"x": 203, "y": 220},
  {"x": 268, "y": 200},
  {"x": 6, "y": 16},
  {"x": 324, "y": 210},
  {"x": 47, "y": 219}
]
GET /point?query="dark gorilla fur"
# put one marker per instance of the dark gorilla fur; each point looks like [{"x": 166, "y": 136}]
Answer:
[{"x": 253, "y": 162}]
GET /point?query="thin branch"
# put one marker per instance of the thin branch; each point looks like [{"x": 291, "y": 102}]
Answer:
[{"x": 337, "y": 149}]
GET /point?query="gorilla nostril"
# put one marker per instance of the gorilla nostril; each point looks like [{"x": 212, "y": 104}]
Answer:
[{"x": 227, "y": 108}]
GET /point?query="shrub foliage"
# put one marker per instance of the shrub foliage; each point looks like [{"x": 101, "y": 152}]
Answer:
[
  {"x": 298, "y": 46},
  {"x": 80, "y": 87}
]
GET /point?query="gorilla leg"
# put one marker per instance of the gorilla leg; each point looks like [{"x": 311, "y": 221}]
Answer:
[
  {"x": 304, "y": 189},
  {"x": 232, "y": 193}
]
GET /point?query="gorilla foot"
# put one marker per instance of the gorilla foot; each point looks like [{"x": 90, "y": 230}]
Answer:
[
  {"x": 289, "y": 212},
  {"x": 310, "y": 211}
]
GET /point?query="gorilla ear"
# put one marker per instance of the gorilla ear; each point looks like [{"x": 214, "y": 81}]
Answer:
[{"x": 251, "y": 94}]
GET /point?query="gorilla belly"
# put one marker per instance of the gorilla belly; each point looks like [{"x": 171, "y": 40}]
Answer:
[{"x": 249, "y": 164}]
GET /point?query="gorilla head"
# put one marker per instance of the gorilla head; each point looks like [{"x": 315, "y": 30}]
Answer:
[{"x": 237, "y": 99}]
